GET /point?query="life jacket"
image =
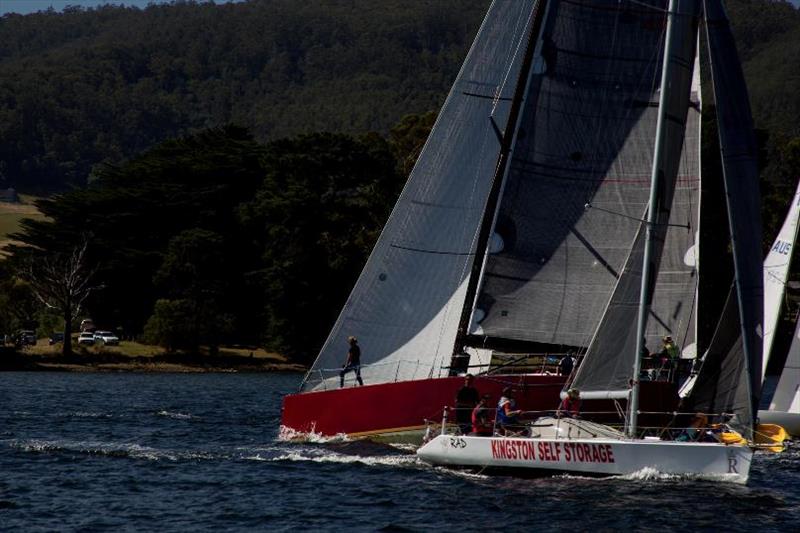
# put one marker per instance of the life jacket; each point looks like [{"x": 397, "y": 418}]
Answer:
[{"x": 502, "y": 417}]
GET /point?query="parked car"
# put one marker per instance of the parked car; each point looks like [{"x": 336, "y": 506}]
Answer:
[
  {"x": 86, "y": 338},
  {"x": 25, "y": 337},
  {"x": 55, "y": 338},
  {"x": 106, "y": 337}
]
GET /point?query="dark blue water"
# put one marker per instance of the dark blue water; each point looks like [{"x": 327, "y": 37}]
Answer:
[{"x": 99, "y": 452}]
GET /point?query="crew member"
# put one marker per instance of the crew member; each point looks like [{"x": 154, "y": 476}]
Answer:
[
  {"x": 467, "y": 398},
  {"x": 353, "y": 363},
  {"x": 481, "y": 424},
  {"x": 507, "y": 413},
  {"x": 571, "y": 405}
]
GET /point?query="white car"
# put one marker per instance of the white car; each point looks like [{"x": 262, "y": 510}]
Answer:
[
  {"x": 106, "y": 337},
  {"x": 86, "y": 338}
]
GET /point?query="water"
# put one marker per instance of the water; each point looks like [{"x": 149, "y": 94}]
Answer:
[{"x": 169, "y": 452}]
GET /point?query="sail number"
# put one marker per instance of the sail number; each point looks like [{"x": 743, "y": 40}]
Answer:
[
  {"x": 457, "y": 442},
  {"x": 782, "y": 247}
]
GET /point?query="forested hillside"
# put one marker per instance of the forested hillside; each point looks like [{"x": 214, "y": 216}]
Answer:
[
  {"x": 88, "y": 87},
  {"x": 92, "y": 86}
]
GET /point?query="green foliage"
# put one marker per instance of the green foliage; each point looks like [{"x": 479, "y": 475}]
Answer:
[
  {"x": 19, "y": 309},
  {"x": 133, "y": 211},
  {"x": 215, "y": 238},
  {"x": 172, "y": 325},
  {"x": 323, "y": 202}
]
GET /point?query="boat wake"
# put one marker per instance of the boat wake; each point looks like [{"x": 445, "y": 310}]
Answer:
[
  {"x": 286, "y": 434},
  {"x": 326, "y": 456}
]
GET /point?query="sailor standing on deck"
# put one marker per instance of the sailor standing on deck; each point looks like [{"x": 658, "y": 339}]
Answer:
[
  {"x": 467, "y": 398},
  {"x": 353, "y": 363}
]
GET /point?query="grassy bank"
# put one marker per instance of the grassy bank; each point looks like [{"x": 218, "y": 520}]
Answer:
[{"x": 12, "y": 214}]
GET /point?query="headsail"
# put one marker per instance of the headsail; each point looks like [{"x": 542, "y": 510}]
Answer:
[
  {"x": 776, "y": 271},
  {"x": 740, "y": 172},
  {"x": 730, "y": 378},
  {"x": 407, "y": 303}
]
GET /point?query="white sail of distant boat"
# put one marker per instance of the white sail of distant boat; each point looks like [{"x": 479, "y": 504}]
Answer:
[
  {"x": 784, "y": 408},
  {"x": 727, "y": 386},
  {"x": 776, "y": 272}
]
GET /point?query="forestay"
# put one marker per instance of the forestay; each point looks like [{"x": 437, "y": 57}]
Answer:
[{"x": 407, "y": 303}]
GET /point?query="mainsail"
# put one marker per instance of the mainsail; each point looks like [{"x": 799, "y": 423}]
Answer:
[
  {"x": 578, "y": 185},
  {"x": 607, "y": 367},
  {"x": 407, "y": 303}
]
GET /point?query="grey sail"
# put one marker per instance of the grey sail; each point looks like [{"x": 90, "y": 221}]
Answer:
[
  {"x": 740, "y": 172},
  {"x": 722, "y": 386},
  {"x": 406, "y": 305},
  {"x": 586, "y": 137},
  {"x": 607, "y": 368}
]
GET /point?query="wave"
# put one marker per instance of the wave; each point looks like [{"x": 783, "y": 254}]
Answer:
[
  {"x": 323, "y": 456},
  {"x": 84, "y": 414},
  {"x": 110, "y": 449},
  {"x": 174, "y": 415}
]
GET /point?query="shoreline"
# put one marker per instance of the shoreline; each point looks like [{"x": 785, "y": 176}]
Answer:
[{"x": 14, "y": 361}]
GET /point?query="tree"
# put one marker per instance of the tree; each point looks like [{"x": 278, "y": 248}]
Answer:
[
  {"x": 317, "y": 215},
  {"x": 62, "y": 282},
  {"x": 18, "y": 305},
  {"x": 196, "y": 278}
]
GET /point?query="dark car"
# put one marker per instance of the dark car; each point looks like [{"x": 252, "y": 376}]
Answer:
[
  {"x": 55, "y": 338},
  {"x": 26, "y": 337}
]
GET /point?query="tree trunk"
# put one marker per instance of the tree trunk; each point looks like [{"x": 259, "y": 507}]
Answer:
[{"x": 66, "y": 349}]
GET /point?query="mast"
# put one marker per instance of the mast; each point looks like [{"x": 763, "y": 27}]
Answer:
[
  {"x": 656, "y": 178},
  {"x": 506, "y": 141}
]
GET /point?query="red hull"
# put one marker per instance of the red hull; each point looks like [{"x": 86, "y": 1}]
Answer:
[{"x": 404, "y": 406}]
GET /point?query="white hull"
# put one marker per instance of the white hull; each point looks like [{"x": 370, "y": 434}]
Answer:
[
  {"x": 789, "y": 421},
  {"x": 595, "y": 456}
]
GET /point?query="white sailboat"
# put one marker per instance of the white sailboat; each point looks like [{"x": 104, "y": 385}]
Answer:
[
  {"x": 729, "y": 382},
  {"x": 784, "y": 409}
]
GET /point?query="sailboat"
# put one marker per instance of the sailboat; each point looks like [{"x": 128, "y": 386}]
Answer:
[
  {"x": 515, "y": 228},
  {"x": 727, "y": 387},
  {"x": 784, "y": 409}
]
